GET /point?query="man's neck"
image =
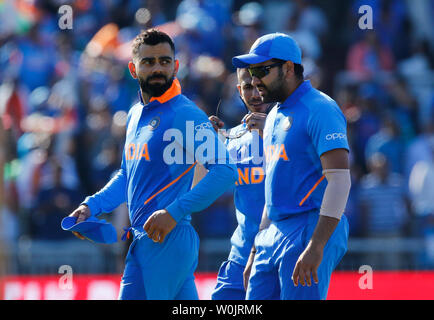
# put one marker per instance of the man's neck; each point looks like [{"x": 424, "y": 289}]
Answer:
[
  {"x": 145, "y": 97},
  {"x": 291, "y": 88}
]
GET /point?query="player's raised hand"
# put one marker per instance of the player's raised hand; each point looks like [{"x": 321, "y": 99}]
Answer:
[
  {"x": 158, "y": 225},
  {"x": 81, "y": 213},
  {"x": 307, "y": 266},
  {"x": 216, "y": 123},
  {"x": 255, "y": 120}
]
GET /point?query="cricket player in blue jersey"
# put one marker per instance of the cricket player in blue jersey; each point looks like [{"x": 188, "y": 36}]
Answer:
[
  {"x": 244, "y": 143},
  {"x": 303, "y": 233},
  {"x": 163, "y": 144}
]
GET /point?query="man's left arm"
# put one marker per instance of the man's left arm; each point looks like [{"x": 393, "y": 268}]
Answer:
[
  {"x": 335, "y": 164},
  {"x": 221, "y": 175},
  {"x": 219, "y": 179}
]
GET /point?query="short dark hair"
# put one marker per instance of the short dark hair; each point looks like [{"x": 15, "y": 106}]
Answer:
[
  {"x": 298, "y": 68},
  {"x": 151, "y": 37}
]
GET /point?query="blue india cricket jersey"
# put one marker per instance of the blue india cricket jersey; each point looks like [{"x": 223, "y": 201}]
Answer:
[
  {"x": 249, "y": 199},
  {"x": 297, "y": 132},
  {"x": 164, "y": 139}
]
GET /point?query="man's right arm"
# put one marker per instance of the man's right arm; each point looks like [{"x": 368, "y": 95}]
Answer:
[
  {"x": 110, "y": 196},
  {"x": 105, "y": 200},
  {"x": 265, "y": 223}
]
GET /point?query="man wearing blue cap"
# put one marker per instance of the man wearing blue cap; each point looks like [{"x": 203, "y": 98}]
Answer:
[
  {"x": 162, "y": 147},
  {"x": 303, "y": 233}
]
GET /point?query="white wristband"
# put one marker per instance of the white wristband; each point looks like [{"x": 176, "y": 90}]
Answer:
[{"x": 336, "y": 193}]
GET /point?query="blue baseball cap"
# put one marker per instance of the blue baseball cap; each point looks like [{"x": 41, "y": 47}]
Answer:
[
  {"x": 92, "y": 228},
  {"x": 274, "y": 45}
]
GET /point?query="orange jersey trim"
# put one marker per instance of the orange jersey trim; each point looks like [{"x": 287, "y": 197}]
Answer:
[
  {"x": 171, "y": 183},
  {"x": 173, "y": 91},
  {"x": 311, "y": 190}
]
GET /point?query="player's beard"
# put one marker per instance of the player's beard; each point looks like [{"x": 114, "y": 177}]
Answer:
[
  {"x": 275, "y": 91},
  {"x": 155, "y": 89}
]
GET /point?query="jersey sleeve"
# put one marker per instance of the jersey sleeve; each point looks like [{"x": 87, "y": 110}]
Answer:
[
  {"x": 327, "y": 128},
  {"x": 111, "y": 195},
  {"x": 202, "y": 144}
]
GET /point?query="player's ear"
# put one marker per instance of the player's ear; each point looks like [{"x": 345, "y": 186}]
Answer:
[
  {"x": 289, "y": 68},
  {"x": 239, "y": 88},
  {"x": 132, "y": 69},
  {"x": 176, "y": 67}
]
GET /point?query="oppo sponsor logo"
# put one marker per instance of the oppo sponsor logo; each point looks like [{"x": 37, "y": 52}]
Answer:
[
  {"x": 334, "y": 136},
  {"x": 203, "y": 126}
]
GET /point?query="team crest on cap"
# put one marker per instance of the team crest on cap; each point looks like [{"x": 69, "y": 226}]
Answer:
[
  {"x": 154, "y": 123},
  {"x": 287, "y": 123}
]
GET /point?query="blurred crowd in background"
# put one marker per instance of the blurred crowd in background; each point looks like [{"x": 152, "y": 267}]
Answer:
[{"x": 65, "y": 94}]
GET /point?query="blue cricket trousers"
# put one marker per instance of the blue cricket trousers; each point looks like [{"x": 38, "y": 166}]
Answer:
[{"x": 165, "y": 271}]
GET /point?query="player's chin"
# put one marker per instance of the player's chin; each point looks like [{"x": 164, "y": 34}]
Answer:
[{"x": 261, "y": 108}]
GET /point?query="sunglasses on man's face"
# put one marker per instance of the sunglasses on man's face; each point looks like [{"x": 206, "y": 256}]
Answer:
[{"x": 262, "y": 71}]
